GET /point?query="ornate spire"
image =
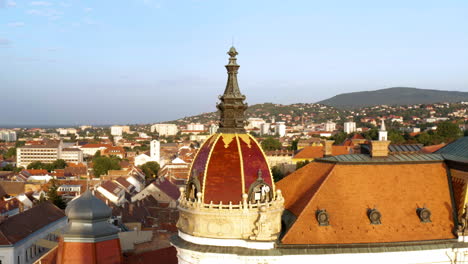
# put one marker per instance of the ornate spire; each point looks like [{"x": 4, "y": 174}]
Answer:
[{"x": 232, "y": 106}]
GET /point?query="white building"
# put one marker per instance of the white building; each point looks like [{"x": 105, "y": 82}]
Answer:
[
  {"x": 30, "y": 234},
  {"x": 73, "y": 155},
  {"x": 47, "y": 153},
  {"x": 195, "y": 127},
  {"x": 66, "y": 131},
  {"x": 265, "y": 129},
  {"x": 8, "y": 136},
  {"x": 116, "y": 130},
  {"x": 113, "y": 192},
  {"x": 280, "y": 129},
  {"x": 91, "y": 149},
  {"x": 155, "y": 154},
  {"x": 349, "y": 127},
  {"x": 213, "y": 129},
  {"x": 330, "y": 126},
  {"x": 254, "y": 122},
  {"x": 165, "y": 129}
]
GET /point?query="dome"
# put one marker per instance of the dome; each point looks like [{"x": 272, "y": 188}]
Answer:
[
  {"x": 88, "y": 207},
  {"x": 226, "y": 167}
]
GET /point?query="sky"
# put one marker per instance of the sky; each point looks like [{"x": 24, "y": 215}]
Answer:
[{"x": 144, "y": 61}]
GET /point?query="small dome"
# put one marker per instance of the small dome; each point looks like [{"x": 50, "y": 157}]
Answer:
[
  {"x": 226, "y": 167},
  {"x": 87, "y": 207}
]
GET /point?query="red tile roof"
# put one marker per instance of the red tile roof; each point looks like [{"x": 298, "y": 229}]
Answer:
[
  {"x": 315, "y": 152},
  {"x": 18, "y": 227},
  {"x": 346, "y": 192}
]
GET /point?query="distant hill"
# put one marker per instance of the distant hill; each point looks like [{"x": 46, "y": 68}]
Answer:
[{"x": 394, "y": 96}]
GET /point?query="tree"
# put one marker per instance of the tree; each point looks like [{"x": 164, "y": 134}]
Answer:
[
  {"x": 277, "y": 173},
  {"x": 339, "y": 138},
  {"x": 102, "y": 164},
  {"x": 150, "y": 169},
  {"x": 301, "y": 164},
  {"x": 466, "y": 133},
  {"x": 271, "y": 143},
  {"x": 424, "y": 138},
  {"x": 448, "y": 131},
  {"x": 10, "y": 153},
  {"x": 54, "y": 197},
  {"x": 59, "y": 164},
  {"x": 36, "y": 165},
  {"x": 395, "y": 137}
]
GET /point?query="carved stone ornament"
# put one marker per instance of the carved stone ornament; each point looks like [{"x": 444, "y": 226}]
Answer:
[
  {"x": 374, "y": 216},
  {"x": 322, "y": 217},
  {"x": 424, "y": 215}
]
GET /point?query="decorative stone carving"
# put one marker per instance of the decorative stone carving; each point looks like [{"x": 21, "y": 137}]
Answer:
[{"x": 246, "y": 220}]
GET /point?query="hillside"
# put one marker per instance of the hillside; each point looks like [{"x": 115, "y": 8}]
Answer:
[
  {"x": 294, "y": 113},
  {"x": 393, "y": 96}
]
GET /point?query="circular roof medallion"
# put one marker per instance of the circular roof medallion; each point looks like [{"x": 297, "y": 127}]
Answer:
[{"x": 374, "y": 216}]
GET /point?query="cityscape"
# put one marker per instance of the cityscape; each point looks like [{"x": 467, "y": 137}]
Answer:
[{"x": 231, "y": 172}]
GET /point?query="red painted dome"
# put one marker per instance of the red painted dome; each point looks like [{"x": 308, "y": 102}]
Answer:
[{"x": 228, "y": 166}]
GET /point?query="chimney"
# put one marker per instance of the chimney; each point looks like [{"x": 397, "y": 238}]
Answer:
[
  {"x": 379, "y": 148},
  {"x": 328, "y": 148}
]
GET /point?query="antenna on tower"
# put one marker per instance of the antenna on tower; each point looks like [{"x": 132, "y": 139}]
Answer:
[{"x": 232, "y": 41}]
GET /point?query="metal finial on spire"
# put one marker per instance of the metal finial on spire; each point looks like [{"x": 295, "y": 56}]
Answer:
[{"x": 232, "y": 106}]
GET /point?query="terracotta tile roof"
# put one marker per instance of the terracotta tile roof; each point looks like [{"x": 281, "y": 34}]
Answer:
[
  {"x": 347, "y": 191},
  {"x": 12, "y": 188},
  {"x": 122, "y": 181},
  {"x": 18, "y": 227},
  {"x": 111, "y": 187},
  {"x": 433, "y": 148},
  {"x": 315, "y": 152},
  {"x": 37, "y": 172}
]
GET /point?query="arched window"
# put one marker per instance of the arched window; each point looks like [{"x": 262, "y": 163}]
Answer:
[
  {"x": 193, "y": 186},
  {"x": 260, "y": 191}
]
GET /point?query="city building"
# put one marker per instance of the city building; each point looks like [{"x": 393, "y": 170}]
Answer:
[
  {"x": 254, "y": 123},
  {"x": 280, "y": 129},
  {"x": 47, "y": 152},
  {"x": 165, "y": 129},
  {"x": 349, "y": 127},
  {"x": 330, "y": 126},
  {"x": 8, "y": 136},
  {"x": 28, "y": 235},
  {"x": 213, "y": 129},
  {"x": 195, "y": 127},
  {"x": 73, "y": 155},
  {"x": 265, "y": 129},
  {"x": 154, "y": 154},
  {"x": 91, "y": 149}
]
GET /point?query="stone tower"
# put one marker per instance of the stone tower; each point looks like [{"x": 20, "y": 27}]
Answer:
[{"x": 230, "y": 199}]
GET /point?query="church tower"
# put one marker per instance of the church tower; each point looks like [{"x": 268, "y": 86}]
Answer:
[
  {"x": 230, "y": 199},
  {"x": 383, "y": 135}
]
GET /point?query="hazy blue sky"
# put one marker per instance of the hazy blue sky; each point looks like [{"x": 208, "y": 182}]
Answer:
[{"x": 142, "y": 61}]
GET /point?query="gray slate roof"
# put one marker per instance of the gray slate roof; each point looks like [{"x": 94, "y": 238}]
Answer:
[
  {"x": 391, "y": 158},
  {"x": 456, "y": 151}
]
